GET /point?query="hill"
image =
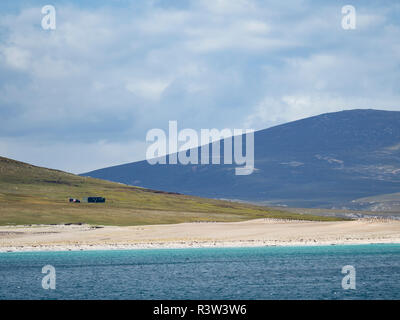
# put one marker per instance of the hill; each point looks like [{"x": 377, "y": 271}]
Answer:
[
  {"x": 35, "y": 195},
  {"x": 322, "y": 161}
]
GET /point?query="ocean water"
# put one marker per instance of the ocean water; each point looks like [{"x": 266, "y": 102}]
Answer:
[{"x": 210, "y": 273}]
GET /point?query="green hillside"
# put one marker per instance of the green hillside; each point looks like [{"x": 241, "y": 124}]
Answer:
[{"x": 35, "y": 195}]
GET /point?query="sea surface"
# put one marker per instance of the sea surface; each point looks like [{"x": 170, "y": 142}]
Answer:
[{"x": 209, "y": 273}]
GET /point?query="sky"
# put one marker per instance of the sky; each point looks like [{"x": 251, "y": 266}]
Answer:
[{"x": 83, "y": 96}]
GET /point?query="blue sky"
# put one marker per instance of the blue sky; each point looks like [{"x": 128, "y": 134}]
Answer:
[{"x": 83, "y": 96}]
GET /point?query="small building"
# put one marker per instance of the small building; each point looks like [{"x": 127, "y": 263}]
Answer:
[
  {"x": 74, "y": 200},
  {"x": 94, "y": 199}
]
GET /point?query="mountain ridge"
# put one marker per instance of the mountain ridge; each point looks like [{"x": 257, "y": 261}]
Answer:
[{"x": 320, "y": 161}]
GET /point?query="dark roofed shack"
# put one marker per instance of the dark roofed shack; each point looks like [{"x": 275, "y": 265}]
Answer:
[{"x": 94, "y": 199}]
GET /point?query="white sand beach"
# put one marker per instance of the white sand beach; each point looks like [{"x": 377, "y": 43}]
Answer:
[{"x": 260, "y": 232}]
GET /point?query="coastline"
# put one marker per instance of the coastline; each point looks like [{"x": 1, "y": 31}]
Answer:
[
  {"x": 252, "y": 233},
  {"x": 188, "y": 245}
]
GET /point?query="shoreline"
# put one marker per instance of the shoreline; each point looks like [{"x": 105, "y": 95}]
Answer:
[
  {"x": 252, "y": 233},
  {"x": 188, "y": 245}
]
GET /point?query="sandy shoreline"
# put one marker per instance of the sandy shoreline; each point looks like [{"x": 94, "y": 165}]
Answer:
[{"x": 253, "y": 233}]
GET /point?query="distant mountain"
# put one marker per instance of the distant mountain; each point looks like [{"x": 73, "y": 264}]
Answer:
[
  {"x": 379, "y": 203},
  {"x": 322, "y": 161}
]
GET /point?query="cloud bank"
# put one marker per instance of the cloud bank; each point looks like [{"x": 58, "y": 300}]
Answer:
[{"x": 84, "y": 95}]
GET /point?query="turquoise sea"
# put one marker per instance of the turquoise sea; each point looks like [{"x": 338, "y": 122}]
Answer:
[{"x": 210, "y": 273}]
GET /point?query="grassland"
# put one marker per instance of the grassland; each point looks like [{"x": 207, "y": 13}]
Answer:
[{"x": 35, "y": 195}]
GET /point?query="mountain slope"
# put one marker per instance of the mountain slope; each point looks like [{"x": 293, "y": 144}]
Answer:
[
  {"x": 322, "y": 161},
  {"x": 380, "y": 203},
  {"x": 34, "y": 195}
]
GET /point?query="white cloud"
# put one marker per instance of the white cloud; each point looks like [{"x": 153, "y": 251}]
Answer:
[
  {"x": 110, "y": 73},
  {"x": 272, "y": 111},
  {"x": 256, "y": 26},
  {"x": 16, "y": 57},
  {"x": 73, "y": 156},
  {"x": 149, "y": 89},
  {"x": 369, "y": 20},
  {"x": 228, "y": 7}
]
